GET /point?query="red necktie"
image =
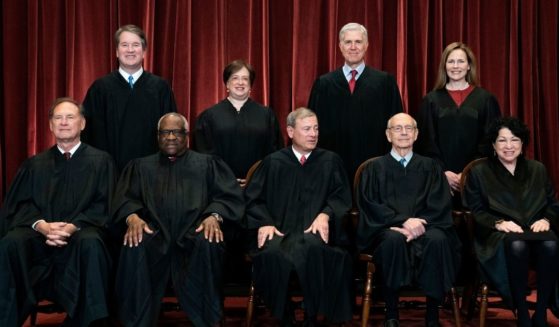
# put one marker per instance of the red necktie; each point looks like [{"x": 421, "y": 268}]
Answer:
[
  {"x": 352, "y": 81},
  {"x": 67, "y": 155},
  {"x": 303, "y": 160}
]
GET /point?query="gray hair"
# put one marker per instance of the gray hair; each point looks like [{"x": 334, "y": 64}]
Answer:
[
  {"x": 176, "y": 114},
  {"x": 354, "y": 27},
  {"x": 299, "y": 113}
]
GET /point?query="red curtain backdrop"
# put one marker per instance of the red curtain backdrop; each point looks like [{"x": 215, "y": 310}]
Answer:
[{"x": 53, "y": 48}]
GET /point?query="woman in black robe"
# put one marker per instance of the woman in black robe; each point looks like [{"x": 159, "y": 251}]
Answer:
[
  {"x": 454, "y": 118},
  {"x": 514, "y": 207},
  {"x": 238, "y": 130}
]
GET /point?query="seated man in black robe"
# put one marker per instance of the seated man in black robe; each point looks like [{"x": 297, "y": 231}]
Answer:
[
  {"x": 54, "y": 220},
  {"x": 405, "y": 221},
  {"x": 173, "y": 203},
  {"x": 297, "y": 199}
]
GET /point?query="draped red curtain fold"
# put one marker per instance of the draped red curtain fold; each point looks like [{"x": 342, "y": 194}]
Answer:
[{"x": 53, "y": 48}]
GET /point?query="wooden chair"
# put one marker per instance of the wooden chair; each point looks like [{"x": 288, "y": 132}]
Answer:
[
  {"x": 248, "y": 258},
  {"x": 368, "y": 258},
  {"x": 471, "y": 291}
]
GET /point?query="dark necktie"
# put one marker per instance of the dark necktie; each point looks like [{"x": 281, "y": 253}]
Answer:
[
  {"x": 352, "y": 81},
  {"x": 403, "y": 162},
  {"x": 131, "y": 81},
  {"x": 303, "y": 160},
  {"x": 67, "y": 155}
]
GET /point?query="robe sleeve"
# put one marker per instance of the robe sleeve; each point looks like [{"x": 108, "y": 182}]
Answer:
[
  {"x": 225, "y": 194},
  {"x": 19, "y": 207},
  {"x": 374, "y": 214},
  {"x": 95, "y": 117},
  {"x": 258, "y": 214},
  {"x": 552, "y": 209},
  {"x": 491, "y": 112},
  {"x": 276, "y": 138},
  {"x": 203, "y": 136},
  {"x": 129, "y": 197},
  {"x": 314, "y": 97},
  {"x": 97, "y": 213},
  {"x": 438, "y": 202},
  {"x": 338, "y": 202},
  {"x": 427, "y": 120},
  {"x": 474, "y": 198}
]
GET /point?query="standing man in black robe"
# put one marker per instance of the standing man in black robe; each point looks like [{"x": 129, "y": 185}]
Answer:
[
  {"x": 353, "y": 103},
  {"x": 297, "y": 199},
  {"x": 173, "y": 203},
  {"x": 123, "y": 107},
  {"x": 405, "y": 220},
  {"x": 55, "y": 216}
]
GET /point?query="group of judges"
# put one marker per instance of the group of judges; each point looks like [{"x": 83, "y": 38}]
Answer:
[{"x": 121, "y": 207}]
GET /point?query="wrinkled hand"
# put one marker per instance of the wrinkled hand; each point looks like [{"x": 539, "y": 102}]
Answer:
[
  {"x": 453, "y": 181},
  {"x": 416, "y": 226},
  {"x": 266, "y": 233},
  {"x": 211, "y": 228},
  {"x": 508, "y": 227},
  {"x": 56, "y": 233},
  {"x": 136, "y": 229},
  {"x": 541, "y": 225},
  {"x": 404, "y": 232},
  {"x": 320, "y": 225},
  {"x": 242, "y": 182}
]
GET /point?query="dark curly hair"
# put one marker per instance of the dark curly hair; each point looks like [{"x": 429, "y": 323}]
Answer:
[{"x": 515, "y": 125}]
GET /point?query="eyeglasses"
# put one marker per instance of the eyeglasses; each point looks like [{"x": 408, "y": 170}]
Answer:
[
  {"x": 177, "y": 132},
  {"x": 400, "y": 128}
]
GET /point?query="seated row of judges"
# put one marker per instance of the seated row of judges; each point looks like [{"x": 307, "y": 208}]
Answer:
[{"x": 65, "y": 208}]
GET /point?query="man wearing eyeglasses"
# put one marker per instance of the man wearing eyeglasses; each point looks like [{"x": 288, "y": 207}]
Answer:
[
  {"x": 173, "y": 203},
  {"x": 405, "y": 221}
]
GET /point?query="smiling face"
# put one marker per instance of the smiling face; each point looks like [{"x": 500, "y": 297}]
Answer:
[
  {"x": 238, "y": 84},
  {"x": 304, "y": 134},
  {"x": 130, "y": 52},
  {"x": 402, "y": 132},
  {"x": 66, "y": 123},
  {"x": 457, "y": 66},
  {"x": 507, "y": 146},
  {"x": 172, "y": 136},
  {"x": 353, "y": 47}
]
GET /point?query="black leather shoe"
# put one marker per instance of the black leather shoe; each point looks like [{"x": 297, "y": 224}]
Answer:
[{"x": 392, "y": 323}]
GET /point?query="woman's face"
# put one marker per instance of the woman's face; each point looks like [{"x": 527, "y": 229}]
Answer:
[
  {"x": 457, "y": 66},
  {"x": 507, "y": 146},
  {"x": 238, "y": 84}
]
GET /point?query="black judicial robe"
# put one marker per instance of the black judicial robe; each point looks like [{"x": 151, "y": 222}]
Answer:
[
  {"x": 353, "y": 125},
  {"x": 174, "y": 198},
  {"x": 389, "y": 194},
  {"x": 239, "y": 138},
  {"x": 49, "y": 187},
  {"x": 492, "y": 193},
  {"x": 454, "y": 135},
  {"x": 284, "y": 194},
  {"x": 123, "y": 121}
]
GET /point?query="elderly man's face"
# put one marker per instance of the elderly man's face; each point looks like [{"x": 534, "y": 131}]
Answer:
[
  {"x": 66, "y": 122},
  {"x": 172, "y": 136},
  {"x": 305, "y": 134},
  {"x": 402, "y": 131},
  {"x": 353, "y": 47},
  {"x": 130, "y": 52}
]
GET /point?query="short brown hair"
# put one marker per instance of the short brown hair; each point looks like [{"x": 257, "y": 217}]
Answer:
[
  {"x": 58, "y": 101},
  {"x": 134, "y": 30},
  {"x": 471, "y": 75},
  {"x": 236, "y": 65}
]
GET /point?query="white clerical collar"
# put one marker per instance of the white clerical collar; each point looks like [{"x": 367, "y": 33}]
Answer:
[
  {"x": 398, "y": 157},
  {"x": 135, "y": 76},
  {"x": 347, "y": 70},
  {"x": 299, "y": 155},
  {"x": 72, "y": 150}
]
